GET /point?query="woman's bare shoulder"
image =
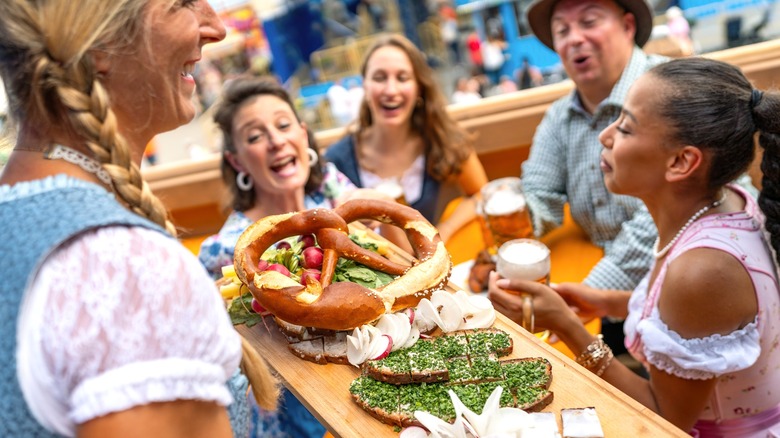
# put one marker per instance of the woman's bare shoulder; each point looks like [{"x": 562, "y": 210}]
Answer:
[{"x": 707, "y": 291}]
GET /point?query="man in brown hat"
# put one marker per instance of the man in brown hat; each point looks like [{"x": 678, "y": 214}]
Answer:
[{"x": 599, "y": 43}]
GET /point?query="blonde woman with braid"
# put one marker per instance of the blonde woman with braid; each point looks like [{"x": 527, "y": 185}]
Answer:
[{"x": 109, "y": 326}]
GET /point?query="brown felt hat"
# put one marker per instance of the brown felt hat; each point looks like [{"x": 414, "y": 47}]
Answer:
[{"x": 540, "y": 14}]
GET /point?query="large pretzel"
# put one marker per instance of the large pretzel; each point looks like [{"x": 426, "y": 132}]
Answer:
[{"x": 342, "y": 305}]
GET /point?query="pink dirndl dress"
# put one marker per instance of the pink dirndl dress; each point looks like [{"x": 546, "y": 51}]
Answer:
[{"x": 746, "y": 400}]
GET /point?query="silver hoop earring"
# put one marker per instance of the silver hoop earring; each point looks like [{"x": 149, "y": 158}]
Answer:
[
  {"x": 244, "y": 181},
  {"x": 313, "y": 157}
]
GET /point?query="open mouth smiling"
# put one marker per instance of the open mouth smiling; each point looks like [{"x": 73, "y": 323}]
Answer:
[
  {"x": 581, "y": 59},
  {"x": 390, "y": 106},
  {"x": 281, "y": 164}
]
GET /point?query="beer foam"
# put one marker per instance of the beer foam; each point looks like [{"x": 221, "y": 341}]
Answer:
[
  {"x": 523, "y": 253},
  {"x": 504, "y": 202},
  {"x": 390, "y": 188},
  {"x": 523, "y": 261}
]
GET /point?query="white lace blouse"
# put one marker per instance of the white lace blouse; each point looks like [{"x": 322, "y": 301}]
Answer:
[{"x": 121, "y": 317}]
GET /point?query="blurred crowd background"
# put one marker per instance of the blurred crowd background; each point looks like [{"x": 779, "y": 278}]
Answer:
[{"x": 478, "y": 48}]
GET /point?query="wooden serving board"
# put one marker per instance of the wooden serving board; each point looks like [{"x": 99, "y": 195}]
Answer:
[{"x": 324, "y": 389}]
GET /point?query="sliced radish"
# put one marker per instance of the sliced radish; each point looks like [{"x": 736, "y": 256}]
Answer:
[
  {"x": 356, "y": 351},
  {"x": 413, "y": 432},
  {"x": 450, "y": 314},
  {"x": 427, "y": 316},
  {"x": 382, "y": 348},
  {"x": 410, "y": 313},
  {"x": 414, "y": 335},
  {"x": 403, "y": 329}
]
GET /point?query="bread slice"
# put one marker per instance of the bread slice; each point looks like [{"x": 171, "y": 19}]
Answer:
[
  {"x": 295, "y": 332},
  {"x": 525, "y": 382},
  {"x": 379, "y": 399},
  {"x": 532, "y": 399},
  {"x": 434, "y": 359},
  {"x": 312, "y": 350},
  {"x": 335, "y": 348},
  {"x": 394, "y": 369},
  {"x": 487, "y": 341},
  {"x": 322, "y": 349},
  {"x": 528, "y": 371}
]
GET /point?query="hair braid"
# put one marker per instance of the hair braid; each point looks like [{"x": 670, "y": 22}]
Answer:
[
  {"x": 91, "y": 115},
  {"x": 765, "y": 115}
]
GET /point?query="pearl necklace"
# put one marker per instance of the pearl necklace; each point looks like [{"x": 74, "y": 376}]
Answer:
[
  {"x": 658, "y": 254},
  {"x": 60, "y": 152}
]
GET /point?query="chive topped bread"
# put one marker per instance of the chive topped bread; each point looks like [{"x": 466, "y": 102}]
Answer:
[
  {"x": 467, "y": 362},
  {"x": 525, "y": 383},
  {"x": 462, "y": 356}
]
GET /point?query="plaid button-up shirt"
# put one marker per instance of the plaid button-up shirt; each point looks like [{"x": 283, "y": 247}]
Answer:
[{"x": 563, "y": 166}]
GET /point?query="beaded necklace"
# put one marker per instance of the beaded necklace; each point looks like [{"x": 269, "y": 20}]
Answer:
[{"x": 658, "y": 254}]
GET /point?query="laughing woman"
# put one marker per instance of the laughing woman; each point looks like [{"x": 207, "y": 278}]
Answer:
[
  {"x": 271, "y": 166},
  {"x": 706, "y": 319},
  {"x": 405, "y": 137}
]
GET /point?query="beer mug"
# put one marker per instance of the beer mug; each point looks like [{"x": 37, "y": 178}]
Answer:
[
  {"x": 504, "y": 212},
  {"x": 525, "y": 259},
  {"x": 392, "y": 188}
]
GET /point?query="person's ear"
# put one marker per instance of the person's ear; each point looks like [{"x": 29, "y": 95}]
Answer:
[
  {"x": 685, "y": 162},
  {"x": 101, "y": 60},
  {"x": 233, "y": 160},
  {"x": 629, "y": 24}
]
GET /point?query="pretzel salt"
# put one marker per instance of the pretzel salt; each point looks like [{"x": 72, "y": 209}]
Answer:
[{"x": 342, "y": 305}]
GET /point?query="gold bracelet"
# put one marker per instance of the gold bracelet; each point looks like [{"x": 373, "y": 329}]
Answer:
[{"x": 594, "y": 353}]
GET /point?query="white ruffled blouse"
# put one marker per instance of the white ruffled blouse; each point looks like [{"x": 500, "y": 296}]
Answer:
[
  {"x": 116, "y": 318},
  {"x": 746, "y": 361},
  {"x": 698, "y": 358}
]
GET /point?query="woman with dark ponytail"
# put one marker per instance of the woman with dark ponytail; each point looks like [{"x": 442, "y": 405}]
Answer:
[{"x": 705, "y": 322}]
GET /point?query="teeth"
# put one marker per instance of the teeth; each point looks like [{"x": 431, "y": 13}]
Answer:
[
  {"x": 188, "y": 69},
  {"x": 281, "y": 163}
]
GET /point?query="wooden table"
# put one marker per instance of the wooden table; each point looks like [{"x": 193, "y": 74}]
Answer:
[{"x": 324, "y": 389}]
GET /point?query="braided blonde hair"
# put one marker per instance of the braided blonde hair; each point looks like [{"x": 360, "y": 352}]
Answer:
[
  {"x": 46, "y": 65},
  {"x": 50, "y": 75}
]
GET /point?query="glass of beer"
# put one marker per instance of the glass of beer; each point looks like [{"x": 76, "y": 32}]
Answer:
[
  {"x": 392, "y": 188},
  {"x": 525, "y": 259},
  {"x": 504, "y": 211}
]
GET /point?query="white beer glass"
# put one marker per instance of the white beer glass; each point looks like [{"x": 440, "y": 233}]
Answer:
[
  {"x": 392, "y": 188},
  {"x": 525, "y": 259},
  {"x": 504, "y": 212}
]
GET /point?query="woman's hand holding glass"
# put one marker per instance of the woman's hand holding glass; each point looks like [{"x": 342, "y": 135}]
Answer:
[{"x": 551, "y": 311}]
